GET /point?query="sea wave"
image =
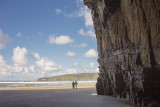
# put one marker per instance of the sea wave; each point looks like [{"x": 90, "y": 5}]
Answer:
[{"x": 44, "y": 84}]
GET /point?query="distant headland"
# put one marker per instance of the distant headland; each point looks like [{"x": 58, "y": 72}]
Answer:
[{"x": 71, "y": 77}]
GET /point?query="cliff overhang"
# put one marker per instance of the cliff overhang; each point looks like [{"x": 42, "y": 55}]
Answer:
[{"x": 128, "y": 42}]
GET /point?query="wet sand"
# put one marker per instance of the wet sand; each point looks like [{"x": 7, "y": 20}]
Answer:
[{"x": 52, "y": 97}]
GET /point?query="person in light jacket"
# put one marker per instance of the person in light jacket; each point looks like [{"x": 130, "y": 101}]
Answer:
[{"x": 76, "y": 83}]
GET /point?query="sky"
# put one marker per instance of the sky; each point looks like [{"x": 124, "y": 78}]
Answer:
[{"x": 44, "y": 38}]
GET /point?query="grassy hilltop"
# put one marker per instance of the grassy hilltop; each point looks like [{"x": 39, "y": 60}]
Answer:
[{"x": 71, "y": 77}]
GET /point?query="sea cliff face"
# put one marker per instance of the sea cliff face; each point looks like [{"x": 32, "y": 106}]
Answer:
[{"x": 128, "y": 42}]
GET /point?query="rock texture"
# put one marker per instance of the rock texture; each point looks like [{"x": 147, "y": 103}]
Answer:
[{"x": 128, "y": 41}]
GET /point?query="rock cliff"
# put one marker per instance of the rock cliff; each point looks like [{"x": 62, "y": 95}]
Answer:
[{"x": 128, "y": 42}]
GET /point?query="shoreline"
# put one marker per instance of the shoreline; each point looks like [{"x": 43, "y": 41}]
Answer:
[{"x": 43, "y": 88}]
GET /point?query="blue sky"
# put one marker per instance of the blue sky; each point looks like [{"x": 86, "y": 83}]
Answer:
[{"x": 41, "y": 38}]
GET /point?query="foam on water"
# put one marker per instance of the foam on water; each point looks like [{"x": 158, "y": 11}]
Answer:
[{"x": 44, "y": 84}]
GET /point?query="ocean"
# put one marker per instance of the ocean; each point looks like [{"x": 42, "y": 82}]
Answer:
[{"x": 44, "y": 84}]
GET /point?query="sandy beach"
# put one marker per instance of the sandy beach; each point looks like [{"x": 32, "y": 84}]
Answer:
[
  {"x": 44, "y": 88},
  {"x": 53, "y": 97}
]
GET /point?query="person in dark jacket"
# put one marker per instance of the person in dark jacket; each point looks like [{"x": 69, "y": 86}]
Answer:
[{"x": 73, "y": 85}]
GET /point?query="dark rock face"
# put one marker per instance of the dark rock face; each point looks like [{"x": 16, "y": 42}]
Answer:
[
  {"x": 99, "y": 86},
  {"x": 128, "y": 41}
]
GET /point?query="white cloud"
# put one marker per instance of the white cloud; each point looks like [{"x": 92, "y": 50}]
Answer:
[
  {"x": 3, "y": 66},
  {"x": 32, "y": 68},
  {"x": 19, "y": 56},
  {"x": 4, "y": 39},
  {"x": 83, "y": 12},
  {"x": 44, "y": 64},
  {"x": 60, "y": 40},
  {"x": 22, "y": 71},
  {"x": 8, "y": 69},
  {"x": 81, "y": 32},
  {"x": 92, "y": 65},
  {"x": 47, "y": 65},
  {"x": 75, "y": 64},
  {"x": 79, "y": 46},
  {"x": 97, "y": 69},
  {"x": 71, "y": 54},
  {"x": 90, "y": 33},
  {"x": 19, "y": 68},
  {"x": 35, "y": 56},
  {"x": 71, "y": 15},
  {"x": 79, "y": 3},
  {"x": 91, "y": 68},
  {"x": 86, "y": 14},
  {"x": 2, "y": 61},
  {"x": 90, "y": 53},
  {"x": 58, "y": 11},
  {"x": 19, "y": 34}
]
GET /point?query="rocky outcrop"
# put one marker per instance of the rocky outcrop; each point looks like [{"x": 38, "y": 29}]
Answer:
[{"x": 128, "y": 42}]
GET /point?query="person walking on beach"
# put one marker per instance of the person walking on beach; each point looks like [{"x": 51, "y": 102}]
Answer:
[
  {"x": 76, "y": 83},
  {"x": 73, "y": 85}
]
